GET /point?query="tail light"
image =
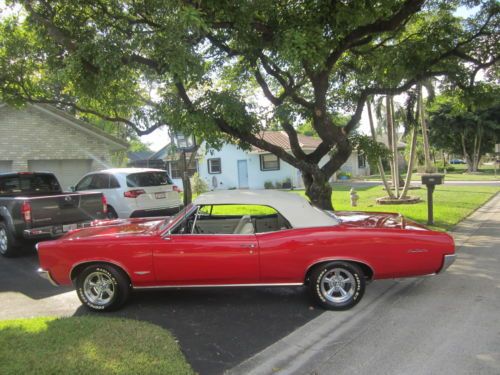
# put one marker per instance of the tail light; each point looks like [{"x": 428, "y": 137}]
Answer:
[
  {"x": 133, "y": 193},
  {"x": 104, "y": 205},
  {"x": 176, "y": 188},
  {"x": 26, "y": 211}
]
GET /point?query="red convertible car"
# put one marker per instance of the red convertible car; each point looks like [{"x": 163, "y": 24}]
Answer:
[{"x": 244, "y": 238}]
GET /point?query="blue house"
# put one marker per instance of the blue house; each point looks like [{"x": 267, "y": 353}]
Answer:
[{"x": 234, "y": 168}]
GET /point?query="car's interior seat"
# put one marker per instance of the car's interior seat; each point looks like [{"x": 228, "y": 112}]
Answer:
[{"x": 244, "y": 226}]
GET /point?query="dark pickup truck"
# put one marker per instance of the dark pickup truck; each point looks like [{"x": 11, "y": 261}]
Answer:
[{"x": 33, "y": 207}]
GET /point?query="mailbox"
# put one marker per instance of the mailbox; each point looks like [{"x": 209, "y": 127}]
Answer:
[{"x": 432, "y": 179}]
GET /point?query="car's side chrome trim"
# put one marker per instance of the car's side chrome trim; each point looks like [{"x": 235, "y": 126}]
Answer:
[
  {"x": 46, "y": 275},
  {"x": 447, "y": 262},
  {"x": 215, "y": 286}
]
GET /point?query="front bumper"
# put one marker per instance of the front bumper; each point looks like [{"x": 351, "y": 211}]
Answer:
[
  {"x": 447, "y": 262},
  {"x": 46, "y": 275}
]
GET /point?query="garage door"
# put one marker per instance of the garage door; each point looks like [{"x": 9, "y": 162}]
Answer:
[
  {"x": 5, "y": 166},
  {"x": 68, "y": 172}
]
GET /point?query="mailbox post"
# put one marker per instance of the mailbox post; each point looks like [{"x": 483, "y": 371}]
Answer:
[{"x": 431, "y": 180}]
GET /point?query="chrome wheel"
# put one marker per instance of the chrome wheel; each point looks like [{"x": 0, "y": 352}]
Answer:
[
  {"x": 98, "y": 288},
  {"x": 4, "y": 242},
  {"x": 338, "y": 285}
]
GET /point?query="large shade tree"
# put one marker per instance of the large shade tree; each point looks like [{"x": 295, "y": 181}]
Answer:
[
  {"x": 227, "y": 70},
  {"x": 466, "y": 121}
]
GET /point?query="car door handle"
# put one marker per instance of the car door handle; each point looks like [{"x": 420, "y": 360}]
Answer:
[{"x": 251, "y": 246}]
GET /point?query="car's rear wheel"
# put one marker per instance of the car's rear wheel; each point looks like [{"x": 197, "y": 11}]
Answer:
[
  {"x": 102, "y": 287},
  {"x": 8, "y": 244},
  {"x": 337, "y": 285}
]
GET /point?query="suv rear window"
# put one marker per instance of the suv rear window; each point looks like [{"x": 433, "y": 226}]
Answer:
[
  {"x": 29, "y": 184},
  {"x": 145, "y": 179}
]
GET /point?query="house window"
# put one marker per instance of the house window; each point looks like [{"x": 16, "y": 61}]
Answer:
[
  {"x": 269, "y": 162},
  {"x": 214, "y": 166},
  {"x": 175, "y": 169},
  {"x": 361, "y": 160}
]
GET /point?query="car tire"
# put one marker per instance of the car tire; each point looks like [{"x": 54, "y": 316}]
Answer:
[
  {"x": 337, "y": 285},
  {"x": 102, "y": 287},
  {"x": 111, "y": 214},
  {"x": 8, "y": 244}
]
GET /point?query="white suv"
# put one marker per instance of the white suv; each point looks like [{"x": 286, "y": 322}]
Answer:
[{"x": 134, "y": 192}]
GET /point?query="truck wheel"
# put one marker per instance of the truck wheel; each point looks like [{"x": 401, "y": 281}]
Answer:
[
  {"x": 8, "y": 244},
  {"x": 102, "y": 287}
]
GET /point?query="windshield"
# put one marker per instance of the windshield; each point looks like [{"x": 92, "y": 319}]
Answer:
[{"x": 172, "y": 220}]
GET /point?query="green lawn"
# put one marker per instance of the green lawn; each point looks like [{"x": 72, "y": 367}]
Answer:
[
  {"x": 459, "y": 173},
  {"x": 451, "y": 203},
  {"x": 88, "y": 345}
]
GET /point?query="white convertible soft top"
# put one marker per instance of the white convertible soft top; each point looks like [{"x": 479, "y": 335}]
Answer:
[{"x": 297, "y": 210}]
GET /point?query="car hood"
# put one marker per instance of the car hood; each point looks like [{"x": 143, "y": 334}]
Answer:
[
  {"x": 376, "y": 220},
  {"x": 139, "y": 226}
]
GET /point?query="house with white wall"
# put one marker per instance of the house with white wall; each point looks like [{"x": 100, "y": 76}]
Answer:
[{"x": 234, "y": 168}]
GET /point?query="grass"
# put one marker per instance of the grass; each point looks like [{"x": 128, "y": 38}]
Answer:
[
  {"x": 459, "y": 173},
  {"x": 88, "y": 345},
  {"x": 451, "y": 203}
]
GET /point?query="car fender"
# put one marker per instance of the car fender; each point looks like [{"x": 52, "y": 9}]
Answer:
[
  {"x": 340, "y": 259},
  {"x": 102, "y": 260}
]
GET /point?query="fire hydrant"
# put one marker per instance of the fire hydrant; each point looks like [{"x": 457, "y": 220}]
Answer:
[{"x": 354, "y": 197}]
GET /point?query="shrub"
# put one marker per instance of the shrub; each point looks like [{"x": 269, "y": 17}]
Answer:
[
  {"x": 342, "y": 175},
  {"x": 198, "y": 185},
  {"x": 268, "y": 185}
]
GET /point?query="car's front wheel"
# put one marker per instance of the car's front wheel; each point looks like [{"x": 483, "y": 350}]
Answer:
[
  {"x": 102, "y": 287},
  {"x": 337, "y": 285}
]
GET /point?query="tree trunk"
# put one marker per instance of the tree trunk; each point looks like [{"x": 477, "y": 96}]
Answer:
[
  {"x": 186, "y": 183},
  {"x": 467, "y": 157},
  {"x": 318, "y": 190},
  {"x": 411, "y": 161},
  {"x": 394, "y": 142},
  {"x": 425, "y": 133},
  {"x": 379, "y": 161}
]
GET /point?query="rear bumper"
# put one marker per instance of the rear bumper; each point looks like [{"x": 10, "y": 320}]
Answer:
[
  {"x": 447, "y": 262},
  {"x": 52, "y": 231},
  {"x": 46, "y": 275}
]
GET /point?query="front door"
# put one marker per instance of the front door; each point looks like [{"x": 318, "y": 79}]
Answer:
[
  {"x": 242, "y": 174},
  {"x": 206, "y": 259}
]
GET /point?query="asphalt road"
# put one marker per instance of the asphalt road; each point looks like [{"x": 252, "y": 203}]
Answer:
[
  {"x": 447, "y": 324},
  {"x": 216, "y": 328}
]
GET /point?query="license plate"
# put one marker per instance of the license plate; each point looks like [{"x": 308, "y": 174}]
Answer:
[
  {"x": 68, "y": 227},
  {"x": 160, "y": 195}
]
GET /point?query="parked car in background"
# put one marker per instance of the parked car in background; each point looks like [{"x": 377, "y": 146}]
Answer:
[
  {"x": 457, "y": 161},
  {"x": 33, "y": 207},
  {"x": 134, "y": 192},
  {"x": 245, "y": 238}
]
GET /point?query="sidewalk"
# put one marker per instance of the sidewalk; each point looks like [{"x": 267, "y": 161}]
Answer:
[{"x": 443, "y": 324}]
